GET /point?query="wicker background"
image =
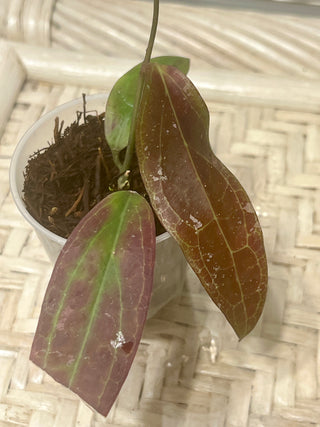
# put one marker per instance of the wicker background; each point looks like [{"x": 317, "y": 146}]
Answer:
[{"x": 260, "y": 76}]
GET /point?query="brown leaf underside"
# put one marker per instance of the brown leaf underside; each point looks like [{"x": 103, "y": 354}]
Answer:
[{"x": 198, "y": 200}]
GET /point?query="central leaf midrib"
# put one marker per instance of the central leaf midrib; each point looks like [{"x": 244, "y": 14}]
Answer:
[
  {"x": 65, "y": 294},
  {"x": 99, "y": 296},
  {"x": 199, "y": 179}
]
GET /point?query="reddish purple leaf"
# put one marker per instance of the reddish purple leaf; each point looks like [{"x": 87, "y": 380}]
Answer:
[
  {"x": 97, "y": 300},
  {"x": 198, "y": 200}
]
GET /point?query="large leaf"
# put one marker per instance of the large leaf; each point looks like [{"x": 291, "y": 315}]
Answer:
[
  {"x": 120, "y": 102},
  {"x": 198, "y": 200},
  {"x": 97, "y": 300}
]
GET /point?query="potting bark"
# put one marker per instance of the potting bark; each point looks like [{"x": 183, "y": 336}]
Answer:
[{"x": 73, "y": 173}]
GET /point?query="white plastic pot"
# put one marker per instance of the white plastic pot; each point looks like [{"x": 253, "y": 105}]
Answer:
[{"x": 170, "y": 262}]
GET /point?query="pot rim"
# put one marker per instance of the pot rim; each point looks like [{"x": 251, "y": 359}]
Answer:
[{"x": 15, "y": 160}]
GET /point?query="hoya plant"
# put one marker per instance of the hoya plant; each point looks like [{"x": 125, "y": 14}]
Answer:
[{"x": 97, "y": 299}]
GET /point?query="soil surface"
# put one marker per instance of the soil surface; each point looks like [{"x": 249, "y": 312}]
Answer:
[{"x": 73, "y": 173}]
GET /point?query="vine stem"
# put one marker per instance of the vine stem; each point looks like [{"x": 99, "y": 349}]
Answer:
[{"x": 131, "y": 143}]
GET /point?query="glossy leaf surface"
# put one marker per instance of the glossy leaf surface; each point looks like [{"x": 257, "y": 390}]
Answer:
[
  {"x": 198, "y": 200},
  {"x": 97, "y": 300},
  {"x": 120, "y": 102}
]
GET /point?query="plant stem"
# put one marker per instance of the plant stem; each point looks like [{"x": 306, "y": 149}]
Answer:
[
  {"x": 153, "y": 32},
  {"x": 131, "y": 143}
]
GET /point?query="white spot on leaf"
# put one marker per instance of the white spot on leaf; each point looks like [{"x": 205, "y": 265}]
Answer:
[
  {"x": 119, "y": 341},
  {"x": 196, "y": 223}
]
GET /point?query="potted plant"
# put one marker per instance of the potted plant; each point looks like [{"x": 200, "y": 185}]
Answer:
[
  {"x": 51, "y": 227},
  {"x": 98, "y": 296}
]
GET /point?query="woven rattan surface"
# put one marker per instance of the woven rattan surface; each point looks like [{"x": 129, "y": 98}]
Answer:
[
  {"x": 190, "y": 370},
  {"x": 228, "y": 38}
]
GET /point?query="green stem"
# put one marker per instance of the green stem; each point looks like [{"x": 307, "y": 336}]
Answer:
[
  {"x": 131, "y": 143},
  {"x": 153, "y": 32}
]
